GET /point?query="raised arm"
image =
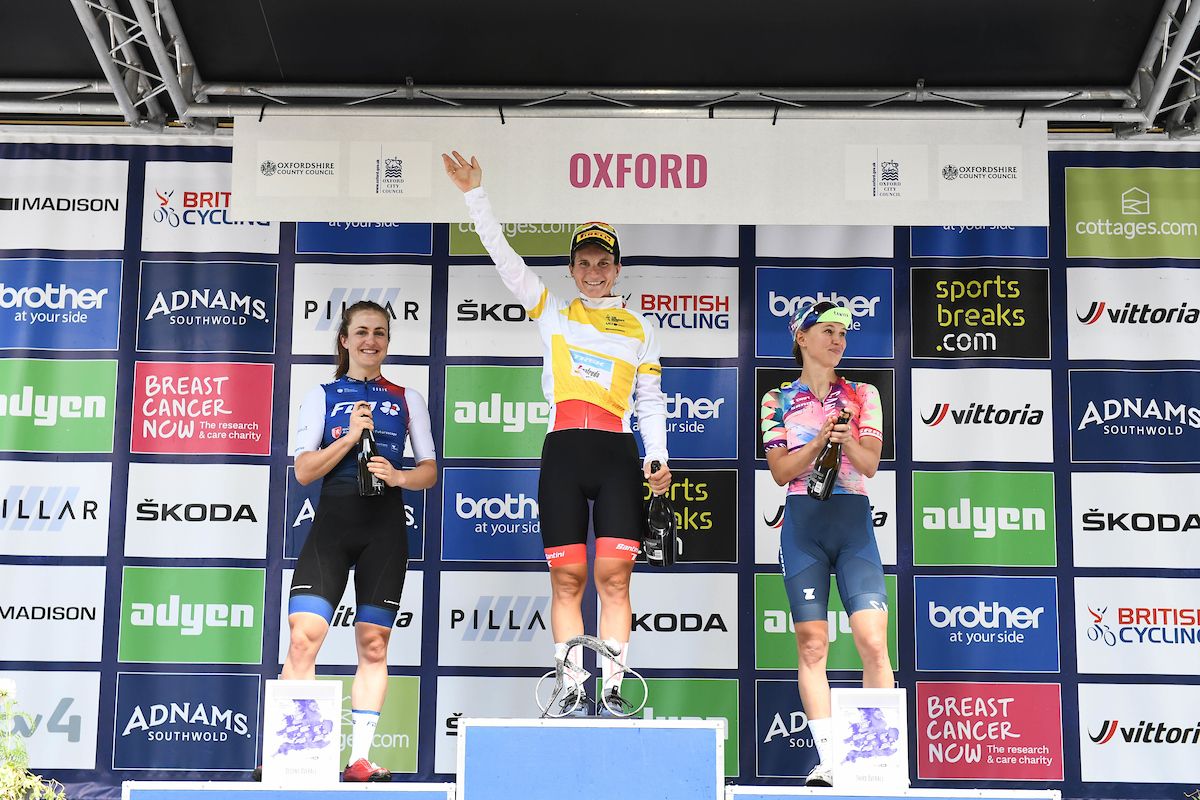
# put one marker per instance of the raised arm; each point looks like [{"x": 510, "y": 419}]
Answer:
[{"x": 520, "y": 280}]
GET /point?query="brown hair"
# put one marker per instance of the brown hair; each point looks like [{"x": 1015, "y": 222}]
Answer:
[{"x": 343, "y": 355}]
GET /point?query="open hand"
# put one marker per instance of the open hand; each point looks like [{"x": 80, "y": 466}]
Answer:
[{"x": 466, "y": 175}]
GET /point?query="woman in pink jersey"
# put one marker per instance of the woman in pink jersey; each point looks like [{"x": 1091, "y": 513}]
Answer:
[
  {"x": 601, "y": 363},
  {"x": 820, "y": 536}
]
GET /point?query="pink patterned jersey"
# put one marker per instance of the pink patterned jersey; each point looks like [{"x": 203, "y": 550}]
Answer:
[{"x": 792, "y": 416}]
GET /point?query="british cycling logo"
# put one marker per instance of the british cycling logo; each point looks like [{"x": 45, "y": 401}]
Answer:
[{"x": 1161, "y": 625}]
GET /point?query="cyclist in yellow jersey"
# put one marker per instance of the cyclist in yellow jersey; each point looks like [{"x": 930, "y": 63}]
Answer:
[{"x": 601, "y": 364}]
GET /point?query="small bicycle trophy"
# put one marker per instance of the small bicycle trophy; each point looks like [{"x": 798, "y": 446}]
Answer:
[{"x": 567, "y": 675}]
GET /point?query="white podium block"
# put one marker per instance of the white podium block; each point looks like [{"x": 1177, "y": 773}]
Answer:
[{"x": 302, "y": 727}]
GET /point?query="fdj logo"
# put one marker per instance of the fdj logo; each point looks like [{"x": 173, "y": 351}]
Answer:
[
  {"x": 782, "y": 305},
  {"x": 512, "y": 416},
  {"x": 191, "y": 618},
  {"x": 59, "y": 721},
  {"x": 386, "y": 407}
]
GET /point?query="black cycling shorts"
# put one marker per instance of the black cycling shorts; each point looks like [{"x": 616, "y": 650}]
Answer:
[
  {"x": 369, "y": 534},
  {"x": 579, "y": 465}
]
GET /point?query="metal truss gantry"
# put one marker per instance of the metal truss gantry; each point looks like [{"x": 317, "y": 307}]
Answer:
[{"x": 152, "y": 82}]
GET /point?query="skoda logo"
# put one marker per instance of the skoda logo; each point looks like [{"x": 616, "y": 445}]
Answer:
[
  {"x": 949, "y": 172},
  {"x": 267, "y": 167}
]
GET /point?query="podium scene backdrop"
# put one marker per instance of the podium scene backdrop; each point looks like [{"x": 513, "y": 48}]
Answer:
[{"x": 1037, "y": 506}]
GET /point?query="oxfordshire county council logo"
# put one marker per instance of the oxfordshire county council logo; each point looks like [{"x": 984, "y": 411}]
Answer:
[
  {"x": 1135, "y": 202},
  {"x": 267, "y": 167},
  {"x": 950, "y": 172}
]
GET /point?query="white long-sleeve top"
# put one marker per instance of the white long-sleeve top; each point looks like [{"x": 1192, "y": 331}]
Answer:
[{"x": 596, "y": 350}]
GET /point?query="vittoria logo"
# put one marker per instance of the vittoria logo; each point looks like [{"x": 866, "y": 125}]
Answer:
[
  {"x": 1146, "y": 732},
  {"x": 981, "y": 414},
  {"x": 1139, "y": 314}
]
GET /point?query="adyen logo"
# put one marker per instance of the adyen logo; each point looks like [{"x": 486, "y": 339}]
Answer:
[
  {"x": 185, "y": 721},
  {"x": 980, "y": 623},
  {"x": 193, "y": 207},
  {"x": 984, "y": 518},
  {"x": 981, "y": 414},
  {"x": 57, "y": 405},
  {"x": 202, "y": 615},
  {"x": 499, "y": 412}
]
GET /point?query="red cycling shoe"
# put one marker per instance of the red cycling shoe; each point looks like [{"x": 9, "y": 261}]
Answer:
[{"x": 363, "y": 771}]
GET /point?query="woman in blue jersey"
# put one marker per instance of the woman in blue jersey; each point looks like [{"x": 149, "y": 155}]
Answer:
[
  {"x": 833, "y": 535},
  {"x": 368, "y": 534},
  {"x": 601, "y": 363}
]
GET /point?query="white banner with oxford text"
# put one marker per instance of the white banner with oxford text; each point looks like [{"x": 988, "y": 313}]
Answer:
[{"x": 651, "y": 171}]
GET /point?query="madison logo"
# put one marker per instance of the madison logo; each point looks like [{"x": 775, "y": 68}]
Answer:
[
  {"x": 982, "y": 414},
  {"x": 1145, "y": 732},
  {"x": 1139, "y": 314},
  {"x": 60, "y": 204}
]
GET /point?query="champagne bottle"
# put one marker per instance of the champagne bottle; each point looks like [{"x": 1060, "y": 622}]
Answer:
[
  {"x": 825, "y": 468},
  {"x": 661, "y": 538},
  {"x": 368, "y": 484}
]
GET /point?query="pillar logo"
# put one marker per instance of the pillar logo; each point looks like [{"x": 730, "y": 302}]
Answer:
[
  {"x": 986, "y": 624},
  {"x": 191, "y": 615},
  {"x": 494, "y": 619}
]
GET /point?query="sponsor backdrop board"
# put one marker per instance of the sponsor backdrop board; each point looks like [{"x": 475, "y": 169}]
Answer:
[{"x": 1035, "y": 506}]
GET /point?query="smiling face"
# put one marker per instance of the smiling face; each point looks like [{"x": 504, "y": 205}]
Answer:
[
  {"x": 823, "y": 344},
  {"x": 594, "y": 271},
  {"x": 366, "y": 341}
]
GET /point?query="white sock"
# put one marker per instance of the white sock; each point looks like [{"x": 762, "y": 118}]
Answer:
[
  {"x": 363, "y": 733},
  {"x": 612, "y": 674},
  {"x": 821, "y": 730},
  {"x": 574, "y": 658}
]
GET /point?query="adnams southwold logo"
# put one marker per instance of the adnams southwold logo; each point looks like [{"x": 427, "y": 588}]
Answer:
[{"x": 1135, "y": 416}]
